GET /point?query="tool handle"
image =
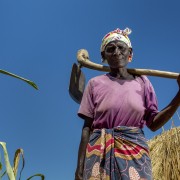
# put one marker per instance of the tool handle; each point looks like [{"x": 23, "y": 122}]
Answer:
[{"x": 83, "y": 60}]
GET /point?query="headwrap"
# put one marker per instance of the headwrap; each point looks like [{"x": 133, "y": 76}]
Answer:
[{"x": 121, "y": 35}]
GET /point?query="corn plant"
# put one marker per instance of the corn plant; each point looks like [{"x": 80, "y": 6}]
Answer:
[{"x": 10, "y": 171}]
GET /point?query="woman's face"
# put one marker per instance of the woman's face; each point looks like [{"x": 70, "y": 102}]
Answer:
[{"x": 117, "y": 54}]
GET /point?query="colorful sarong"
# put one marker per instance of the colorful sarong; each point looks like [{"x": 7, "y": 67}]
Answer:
[{"x": 117, "y": 154}]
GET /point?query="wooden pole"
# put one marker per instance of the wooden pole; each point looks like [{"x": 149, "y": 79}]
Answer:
[{"x": 84, "y": 61}]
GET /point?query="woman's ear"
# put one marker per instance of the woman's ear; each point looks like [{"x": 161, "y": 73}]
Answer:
[
  {"x": 130, "y": 58},
  {"x": 130, "y": 51}
]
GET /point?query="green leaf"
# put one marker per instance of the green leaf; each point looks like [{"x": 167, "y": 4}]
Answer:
[
  {"x": 3, "y": 174},
  {"x": 18, "y": 153},
  {"x": 21, "y": 78},
  {"x": 0, "y": 166},
  {"x": 9, "y": 170},
  {"x": 40, "y": 175}
]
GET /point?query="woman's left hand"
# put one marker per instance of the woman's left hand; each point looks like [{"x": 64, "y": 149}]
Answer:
[{"x": 163, "y": 116}]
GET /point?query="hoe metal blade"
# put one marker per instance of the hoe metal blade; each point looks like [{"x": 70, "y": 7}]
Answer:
[{"x": 77, "y": 83}]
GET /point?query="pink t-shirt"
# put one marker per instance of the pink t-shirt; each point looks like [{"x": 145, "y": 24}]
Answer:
[{"x": 113, "y": 102}]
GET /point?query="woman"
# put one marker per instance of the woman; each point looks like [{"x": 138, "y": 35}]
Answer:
[{"x": 115, "y": 107}]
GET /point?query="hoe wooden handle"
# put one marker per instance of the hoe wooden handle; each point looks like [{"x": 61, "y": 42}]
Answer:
[{"x": 83, "y": 59}]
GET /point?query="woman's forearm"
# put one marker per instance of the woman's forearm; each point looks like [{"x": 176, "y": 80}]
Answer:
[
  {"x": 86, "y": 131},
  {"x": 82, "y": 152},
  {"x": 163, "y": 116}
]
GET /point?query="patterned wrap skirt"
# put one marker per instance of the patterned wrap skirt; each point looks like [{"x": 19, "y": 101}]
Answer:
[{"x": 120, "y": 153}]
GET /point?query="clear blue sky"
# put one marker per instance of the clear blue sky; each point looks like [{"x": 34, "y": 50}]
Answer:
[{"x": 39, "y": 40}]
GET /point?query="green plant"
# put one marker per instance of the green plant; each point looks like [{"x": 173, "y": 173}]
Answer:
[
  {"x": 10, "y": 171},
  {"x": 18, "y": 77}
]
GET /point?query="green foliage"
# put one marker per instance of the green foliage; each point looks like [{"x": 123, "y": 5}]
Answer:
[
  {"x": 21, "y": 78},
  {"x": 12, "y": 171}
]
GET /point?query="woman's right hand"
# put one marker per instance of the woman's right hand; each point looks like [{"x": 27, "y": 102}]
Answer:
[
  {"x": 79, "y": 174},
  {"x": 86, "y": 131}
]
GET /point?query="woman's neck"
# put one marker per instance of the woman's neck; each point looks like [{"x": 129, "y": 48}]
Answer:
[{"x": 121, "y": 73}]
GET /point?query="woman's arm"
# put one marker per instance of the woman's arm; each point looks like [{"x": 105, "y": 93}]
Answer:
[
  {"x": 86, "y": 131},
  {"x": 163, "y": 116}
]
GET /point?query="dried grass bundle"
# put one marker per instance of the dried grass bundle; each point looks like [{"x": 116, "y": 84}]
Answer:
[{"x": 165, "y": 155}]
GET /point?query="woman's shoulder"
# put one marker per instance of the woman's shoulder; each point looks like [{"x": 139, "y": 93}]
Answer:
[
  {"x": 147, "y": 83},
  {"x": 97, "y": 80},
  {"x": 143, "y": 78}
]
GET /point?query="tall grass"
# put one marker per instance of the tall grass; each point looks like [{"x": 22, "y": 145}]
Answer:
[{"x": 165, "y": 154}]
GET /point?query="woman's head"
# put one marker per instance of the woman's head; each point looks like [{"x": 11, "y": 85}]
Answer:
[{"x": 114, "y": 36}]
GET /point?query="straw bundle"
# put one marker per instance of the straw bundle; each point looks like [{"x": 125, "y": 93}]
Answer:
[{"x": 165, "y": 155}]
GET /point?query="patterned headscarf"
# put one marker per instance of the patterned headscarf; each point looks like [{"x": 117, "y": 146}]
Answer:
[{"x": 117, "y": 34}]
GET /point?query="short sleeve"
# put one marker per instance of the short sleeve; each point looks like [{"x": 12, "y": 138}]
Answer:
[
  {"x": 87, "y": 106},
  {"x": 150, "y": 102}
]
